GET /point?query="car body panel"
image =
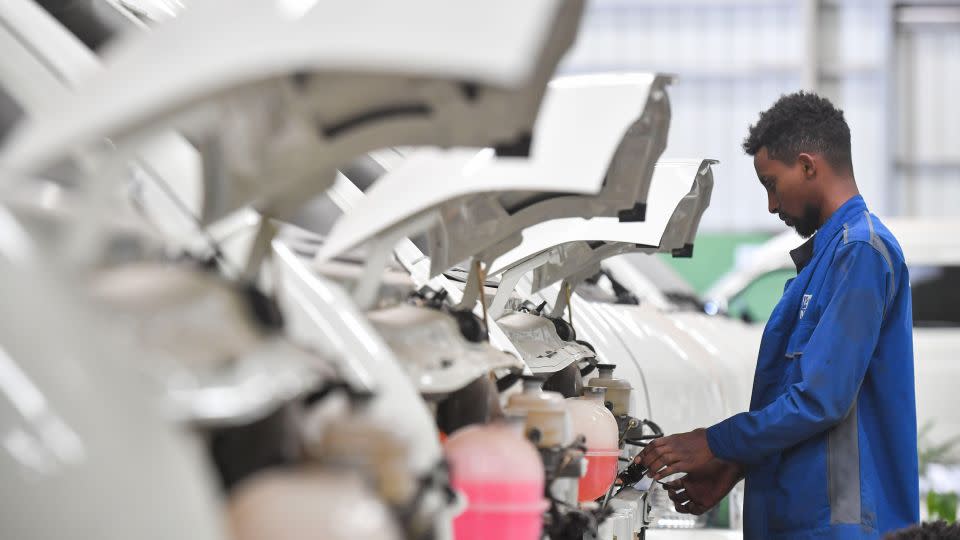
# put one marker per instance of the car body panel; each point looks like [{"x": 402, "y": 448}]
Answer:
[
  {"x": 679, "y": 193},
  {"x": 468, "y": 214},
  {"x": 313, "y": 88}
]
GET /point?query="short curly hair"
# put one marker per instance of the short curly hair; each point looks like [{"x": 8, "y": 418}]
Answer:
[
  {"x": 938, "y": 530},
  {"x": 802, "y": 122}
]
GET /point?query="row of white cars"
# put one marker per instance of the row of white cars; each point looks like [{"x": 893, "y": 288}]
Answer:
[{"x": 261, "y": 258}]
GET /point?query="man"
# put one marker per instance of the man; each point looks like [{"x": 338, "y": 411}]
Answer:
[{"x": 829, "y": 446}]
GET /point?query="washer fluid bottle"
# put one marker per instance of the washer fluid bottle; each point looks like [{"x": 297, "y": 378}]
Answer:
[
  {"x": 618, "y": 390},
  {"x": 500, "y": 474},
  {"x": 595, "y": 422}
]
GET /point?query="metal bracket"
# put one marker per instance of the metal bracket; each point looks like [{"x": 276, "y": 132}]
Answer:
[
  {"x": 260, "y": 250},
  {"x": 509, "y": 280},
  {"x": 381, "y": 249}
]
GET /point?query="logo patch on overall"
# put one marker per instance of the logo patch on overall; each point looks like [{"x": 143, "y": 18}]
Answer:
[{"x": 804, "y": 304}]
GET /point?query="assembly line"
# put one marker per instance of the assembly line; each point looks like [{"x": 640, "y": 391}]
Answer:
[{"x": 317, "y": 285}]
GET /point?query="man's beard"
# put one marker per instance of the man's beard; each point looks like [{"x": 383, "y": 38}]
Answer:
[{"x": 808, "y": 224}]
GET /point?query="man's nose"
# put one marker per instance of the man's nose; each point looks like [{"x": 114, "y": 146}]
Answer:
[{"x": 773, "y": 206}]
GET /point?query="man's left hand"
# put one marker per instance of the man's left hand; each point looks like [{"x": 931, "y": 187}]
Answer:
[{"x": 683, "y": 452}]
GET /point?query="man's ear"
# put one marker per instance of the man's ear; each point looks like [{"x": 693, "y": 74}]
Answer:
[{"x": 808, "y": 163}]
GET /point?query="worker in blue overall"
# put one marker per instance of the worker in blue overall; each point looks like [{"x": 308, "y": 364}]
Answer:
[{"x": 828, "y": 448}]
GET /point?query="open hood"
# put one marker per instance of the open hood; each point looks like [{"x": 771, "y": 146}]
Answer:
[
  {"x": 594, "y": 146},
  {"x": 571, "y": 249},
  {"x": 287, "y": 91},
  {"x": 41, "y": 59},
  {"x": 430, "y": 347}
]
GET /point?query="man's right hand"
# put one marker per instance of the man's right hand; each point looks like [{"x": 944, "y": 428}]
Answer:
[{"x": 704, "y": 488}]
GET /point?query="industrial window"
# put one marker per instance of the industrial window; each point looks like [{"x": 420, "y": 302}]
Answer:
[{"x": 936, "y": 295}]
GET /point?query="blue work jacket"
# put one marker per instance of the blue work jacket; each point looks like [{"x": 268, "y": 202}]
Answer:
[{"x": 830, "y": 442}]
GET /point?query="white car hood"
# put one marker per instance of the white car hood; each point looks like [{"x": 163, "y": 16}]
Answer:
[
  {"x": 298, "y": 89},
  {"x": 678, "y": 197},
  {"x": 594, "y": 146}
]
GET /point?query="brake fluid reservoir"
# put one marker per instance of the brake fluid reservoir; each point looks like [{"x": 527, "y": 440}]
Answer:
[
  {"x": 545, "y": 412},
  {"x": 595, "y": 422},
  {"x": 618, "y": 390},
  {"x": 501, "y": 475}
]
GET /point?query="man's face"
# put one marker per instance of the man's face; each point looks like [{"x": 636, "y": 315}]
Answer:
[{"x": 790, "y": 192}]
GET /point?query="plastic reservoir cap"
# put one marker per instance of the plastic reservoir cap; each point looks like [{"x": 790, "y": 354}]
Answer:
[
  {"x": 606, "y": 379},
  {"x": 618, "y": 391},
  {"x": 606, "y": 370}
]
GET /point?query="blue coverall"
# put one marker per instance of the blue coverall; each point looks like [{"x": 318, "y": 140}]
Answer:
[{"x": 830, "y": 442}]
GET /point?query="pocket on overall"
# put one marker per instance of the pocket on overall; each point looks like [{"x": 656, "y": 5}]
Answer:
[
  {"x": 798, "y": 339},
  {"x": 792, "y": 356}
]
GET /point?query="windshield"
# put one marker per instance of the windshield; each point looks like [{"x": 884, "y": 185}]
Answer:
[
  {"x": 935, "y": 291},
  {"x": 936, "y": 295}
]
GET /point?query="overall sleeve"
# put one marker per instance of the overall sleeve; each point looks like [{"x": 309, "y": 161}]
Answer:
[{"x": 833, "y": 363}]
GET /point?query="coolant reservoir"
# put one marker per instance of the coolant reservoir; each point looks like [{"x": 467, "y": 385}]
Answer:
[
  {"x": 546, "y": 412},
  {"x": 618, "y": 390},
  {"x": 595, "y": 422},
  {"x": 501, "y": 475},
  {"x": 303, "y": 504},
  {"x": 374, "y": 453}
]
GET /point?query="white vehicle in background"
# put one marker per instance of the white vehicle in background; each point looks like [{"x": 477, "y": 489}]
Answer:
[
  {"x": 635, "y": 278},
  {"x": 931, "y": 247}
]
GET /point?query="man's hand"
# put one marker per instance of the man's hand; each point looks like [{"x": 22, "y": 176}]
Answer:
[
  {"x": 684, "y": 452},
  {"x": 702, "y": 489}
]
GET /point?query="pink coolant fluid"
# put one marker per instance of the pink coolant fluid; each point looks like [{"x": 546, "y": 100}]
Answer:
[
  {"x": 594, "y": 421},
  {"x": 500, "y": 474},
  {"x": 601, "y": 472}
]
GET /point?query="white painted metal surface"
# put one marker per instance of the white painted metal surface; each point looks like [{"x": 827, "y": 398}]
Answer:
[
  {"x": 681, "y": 377},
  {"x": 41, "y": 60},
  {"x": 679, "y": 194},
  {"x": 312, "y": 86},
  {"x": 321, "y": 315},
  {"x": 44, "y": 63},
  {"x": 219, "y": 365},
  {"x": 86, "y": 449},
  {"x": 644, "y": 286},
  {"x": 732, "y": 344},
  {"x": 467, "y": 214},
  {"x": 429, "y": 346}
]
